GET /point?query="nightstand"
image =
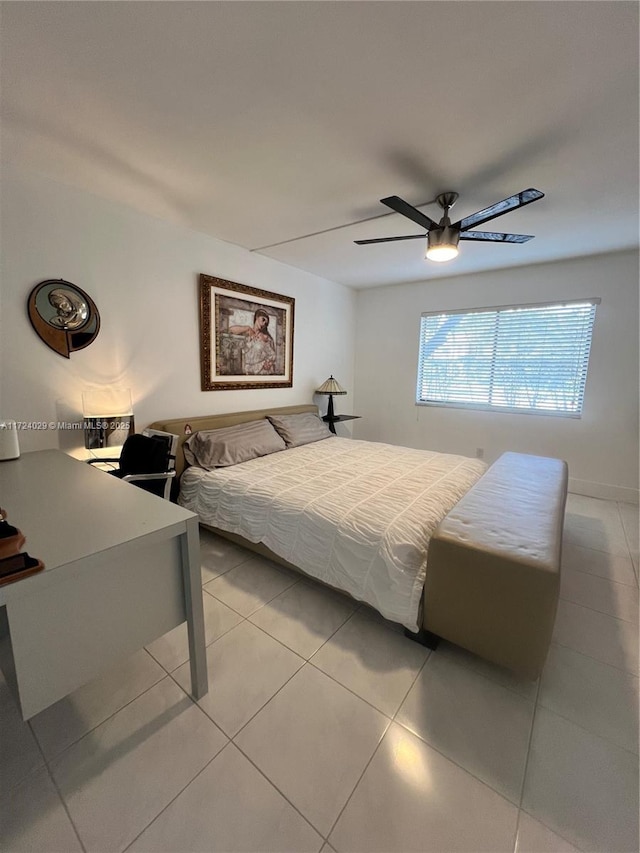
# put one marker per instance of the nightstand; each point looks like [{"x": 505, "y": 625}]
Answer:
[{"x": 335, "y": 419}]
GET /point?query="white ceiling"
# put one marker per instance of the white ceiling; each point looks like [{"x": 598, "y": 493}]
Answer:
[{"x": 262, "y": 122}]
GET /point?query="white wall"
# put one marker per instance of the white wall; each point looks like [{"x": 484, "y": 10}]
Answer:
[
  {"x": 601, "y": 447},
  {"x": 142, "y": 274}
]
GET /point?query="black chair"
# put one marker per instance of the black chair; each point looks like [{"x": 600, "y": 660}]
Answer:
[{"x": 148, "y": 461}]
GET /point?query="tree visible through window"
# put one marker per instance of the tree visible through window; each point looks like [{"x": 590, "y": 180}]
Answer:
[{"x": 530, "y": 358}]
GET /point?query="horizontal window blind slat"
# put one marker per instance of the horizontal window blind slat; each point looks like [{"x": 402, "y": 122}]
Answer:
[{"x": 530, "y": 357}]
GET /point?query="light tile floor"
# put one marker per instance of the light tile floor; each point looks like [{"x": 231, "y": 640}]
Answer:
[{"x": 326, "y": 730}]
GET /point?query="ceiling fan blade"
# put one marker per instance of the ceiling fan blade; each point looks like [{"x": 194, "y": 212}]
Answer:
[
  {"x": 390, "y": 239},
  {"x": 495, "y": 237},
  {"x": 406, "y": 209},
  {"x": 500, "y": 207}
]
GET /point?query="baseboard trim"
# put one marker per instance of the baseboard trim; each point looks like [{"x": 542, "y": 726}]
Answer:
[{"x": 604, "y": 491}]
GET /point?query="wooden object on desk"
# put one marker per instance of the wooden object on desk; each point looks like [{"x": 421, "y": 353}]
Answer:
[
  {"x": 122, "y": 567},
  {"x": 18, "y": 566}
]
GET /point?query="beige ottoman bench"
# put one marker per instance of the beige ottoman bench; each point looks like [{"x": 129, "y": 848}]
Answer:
[{"x": 493, "y": 568}]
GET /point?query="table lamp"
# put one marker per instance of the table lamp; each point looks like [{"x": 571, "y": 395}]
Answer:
[
  {"x": 108, "y": 417},
  {"x": 331, "y": 387}
]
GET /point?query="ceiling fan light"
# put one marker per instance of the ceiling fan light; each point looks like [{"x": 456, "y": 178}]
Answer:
[
  {"x": 442, "y": 253},
  {"x": 442, "y": 244}
]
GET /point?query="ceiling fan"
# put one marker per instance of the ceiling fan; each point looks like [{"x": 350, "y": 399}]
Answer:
[{"x": 442, "y": 237}]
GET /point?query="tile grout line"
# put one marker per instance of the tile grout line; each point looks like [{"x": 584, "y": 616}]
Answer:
[
  {"x": 231, "y": 737},
  {"x": 282, "y": 643},
  {"x": 435, "y": 749},
  {"x": 264, "y": 603},
  {"x": 411, "y": 686},
  {"x": 597, "y": 550},
  {"x": 588, "y": 731},
  {"x": 457, "y": 764},
  {"x": 8, "y": 792},
  {"x": 220, "y": 574},
  {"x": 415, "y": 734},
  {"x": 66, "y": 808},
  {"x": 271, "y": 698},
  {"x": 526, "y": 760},
  {"x": 282, "y": 686},
  {"x": 328, "y": 675},
  {"x": 601, "y": 612},
  {"x": 59, "y": 754},
  {"x": 604, "y": 578},
  {"x": 348, "y": 689},
  {"x": 173, "y": 799},
  {"x": 536, "y": 703},
  {"x": 591, "y": 610},
  {"x": 533, "y": 817},
  {"x": 57, "y": 789},
  {"x": 360, "y": 777},
  {"x": 275, "y": 787},
  {"x": 310, "y": 662},
  {"x": 284, "y": 646},
  {"x": 230, "y": 740},
  {"x": 306, "y": 661},
  {"x": 632, "y": 672},
  {"x": 609, "y": 553},
  {"x": 626, "y": 536},
  {"x": 219, "y": 637},
  {"x": 468, "y": 666}
]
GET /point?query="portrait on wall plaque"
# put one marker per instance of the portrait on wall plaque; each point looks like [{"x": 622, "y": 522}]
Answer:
[
  {"x": 246, "y": 336},
  {"x": 63, "y": 315}
]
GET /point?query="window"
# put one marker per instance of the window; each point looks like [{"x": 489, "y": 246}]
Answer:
[{"x": 528, "y": 358}]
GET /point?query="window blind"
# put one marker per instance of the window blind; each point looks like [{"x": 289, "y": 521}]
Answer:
[{"x": 530, "y": 358}]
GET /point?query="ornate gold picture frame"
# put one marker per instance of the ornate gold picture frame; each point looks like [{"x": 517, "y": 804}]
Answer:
[{"x": 246, "y": 336}]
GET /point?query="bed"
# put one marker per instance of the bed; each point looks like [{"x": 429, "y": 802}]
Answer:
[{"x": 367, "y": 518}]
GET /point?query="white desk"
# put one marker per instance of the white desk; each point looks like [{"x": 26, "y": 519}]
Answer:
[{"x": 122, "y": 567}]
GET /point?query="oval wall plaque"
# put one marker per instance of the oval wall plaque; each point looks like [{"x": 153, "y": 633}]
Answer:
[{"x": 63, "y": 315}]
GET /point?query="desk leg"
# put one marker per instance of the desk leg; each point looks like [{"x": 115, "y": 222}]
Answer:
[{"x": 190, "y": 545}]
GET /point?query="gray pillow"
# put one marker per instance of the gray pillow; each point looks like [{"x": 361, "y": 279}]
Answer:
[
  {"x": 218, "y": 448},
  {"x": 300, "y": 429}
]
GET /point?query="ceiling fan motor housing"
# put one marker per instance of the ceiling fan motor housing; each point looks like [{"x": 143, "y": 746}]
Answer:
[
  {"x": 446, "y": 236},
  {"x": 447, "y": 200}
]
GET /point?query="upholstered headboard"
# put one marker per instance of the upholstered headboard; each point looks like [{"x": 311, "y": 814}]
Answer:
[{"x": 177, "y": 425}]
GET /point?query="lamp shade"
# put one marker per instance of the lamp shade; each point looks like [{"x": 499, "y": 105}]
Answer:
[
  {"x": 108, "y": 417},
  {"x": 331, "y": 386},
  {"x": 106, "y": 402}
]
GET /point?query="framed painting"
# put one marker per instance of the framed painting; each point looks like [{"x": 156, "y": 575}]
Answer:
[{"x": 246, "y": 336}]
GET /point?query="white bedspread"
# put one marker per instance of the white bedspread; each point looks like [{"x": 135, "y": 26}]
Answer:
[{"x": 357, "y": 515}]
